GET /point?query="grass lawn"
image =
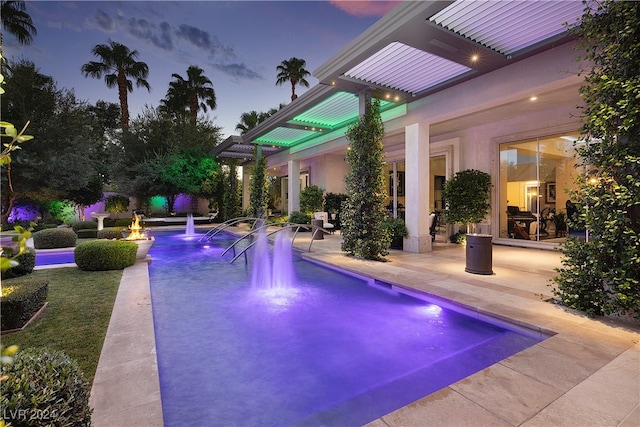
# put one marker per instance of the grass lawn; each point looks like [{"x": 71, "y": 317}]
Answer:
[{"x": 76, "y": 319}]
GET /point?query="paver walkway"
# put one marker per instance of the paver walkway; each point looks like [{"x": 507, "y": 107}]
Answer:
[{"x": 586, "y": 374}]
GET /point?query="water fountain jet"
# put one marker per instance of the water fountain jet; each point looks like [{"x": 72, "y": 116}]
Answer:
[
  {"x": 190, "y": 230},
  {"x": 272, "y": 271}
]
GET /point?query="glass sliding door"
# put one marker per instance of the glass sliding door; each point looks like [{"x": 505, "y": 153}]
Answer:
[{"x": 534, "y": 177}]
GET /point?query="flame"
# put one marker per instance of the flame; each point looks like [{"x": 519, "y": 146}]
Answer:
[{"x": 136, "y": 230}]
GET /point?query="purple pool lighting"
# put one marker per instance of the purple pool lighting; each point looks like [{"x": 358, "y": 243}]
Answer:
[
  {"x": 54, "y": 258},
  {"x": 330, "y": 349}
]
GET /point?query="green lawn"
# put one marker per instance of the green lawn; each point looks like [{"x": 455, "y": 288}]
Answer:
[{"x": 76, "y": 319}]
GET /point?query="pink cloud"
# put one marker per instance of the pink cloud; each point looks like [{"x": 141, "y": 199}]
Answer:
[{"x": 365, "y": 7}]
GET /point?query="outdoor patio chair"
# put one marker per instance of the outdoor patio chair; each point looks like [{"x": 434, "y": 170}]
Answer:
[{"x": 324, "y": 216}]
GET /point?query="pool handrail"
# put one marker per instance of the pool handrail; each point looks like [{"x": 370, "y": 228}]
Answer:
[
  {"x": 283, "y": 226},
  {"x": 228, "y": 223}
]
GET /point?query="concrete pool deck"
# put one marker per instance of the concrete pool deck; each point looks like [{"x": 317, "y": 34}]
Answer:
[{"x": 586, "y": 374}]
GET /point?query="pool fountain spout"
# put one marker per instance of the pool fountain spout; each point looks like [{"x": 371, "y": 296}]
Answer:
[
  {"x": 190, "y": 229},
  {"x": 272, "y": 270}
]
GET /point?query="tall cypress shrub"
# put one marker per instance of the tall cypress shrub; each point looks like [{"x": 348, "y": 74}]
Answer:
[
  {"x": 232, "y": 197},
  {"x": 601, "y": 275},
  {"x": 363, "y": 212},
  {"x": 259, "y": 195}
]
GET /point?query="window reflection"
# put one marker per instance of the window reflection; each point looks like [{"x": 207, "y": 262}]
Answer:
[{"x": 534, "y": 176}]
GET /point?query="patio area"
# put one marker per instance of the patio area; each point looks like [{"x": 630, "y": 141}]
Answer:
[{"x": 587, "y": 373}]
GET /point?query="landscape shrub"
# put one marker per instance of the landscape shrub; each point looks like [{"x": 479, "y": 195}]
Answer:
[
  {"x": 299, "y": 218},
  {"x": 59, "y": 397},
  {"x": 100, "y": 255},
  {"x": 110, "y": 233},
  {"x": 122, "y": 222},
  {"x": 109, "y": 222},
  {"x": 26, "y": 262},
  {"x": 52, "y": 238},
  {"x": 87, "y": 233},
  {"x": 21, "y": 299},
  {"x": 116, "y": 203},
  {"x": 84, "y": 225},
  {"x": 311, "y": 199}
]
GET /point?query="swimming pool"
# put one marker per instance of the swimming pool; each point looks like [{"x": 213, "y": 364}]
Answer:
[
  {"x": 333, "y": 350},
  {"x": 54, "y": 257}
]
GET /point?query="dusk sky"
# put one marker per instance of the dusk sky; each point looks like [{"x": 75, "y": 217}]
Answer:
[{"x": 238, "y": 44}]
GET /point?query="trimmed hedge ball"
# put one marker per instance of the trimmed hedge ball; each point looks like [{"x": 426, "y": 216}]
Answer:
[
  {"x": 26, "y": 263},
  {"x": 110, "y": 233},
  {"x": 52, "y": 238},
  {"x": 21, "y": 299},
  {"x": 100, "y": 255}
]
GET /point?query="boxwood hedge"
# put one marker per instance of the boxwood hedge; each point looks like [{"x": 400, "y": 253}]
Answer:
[
  {"x": 21, "y": 299},
  {"x": 44, "y": 388},
  {"x": 99, "y": 255},
  {"x": 110, "y": 233},
  {"x": 84, "y": 225},
  {"x": 52, "y": 238},
  {"x": 26, "y": 262}
]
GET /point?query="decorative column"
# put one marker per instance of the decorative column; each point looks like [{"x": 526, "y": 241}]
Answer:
[
  {"x": 293, "y": 170},
  {"x": 417, "y": 188}
]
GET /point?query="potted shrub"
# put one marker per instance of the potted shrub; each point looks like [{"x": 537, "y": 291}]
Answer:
[
  {"x": 397, "y": 230},
  {"x": 466, "y": 200}
]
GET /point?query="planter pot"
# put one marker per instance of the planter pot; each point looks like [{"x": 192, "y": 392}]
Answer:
[
  {"x": 143, "y": 247},
  {"x": 317, "y": 223},
  {"x": 479, "y": 255}
]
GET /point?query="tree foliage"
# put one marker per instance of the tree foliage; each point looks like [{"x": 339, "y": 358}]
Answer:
[
  {"x": 190, "y": 95},
  {"x": 601, "y": 274},
  {"x": 118, "y": 65},
  {"x": 311, "y": 199},
  {"x": 70, "y": 151},
  {"x": 292, "y": 70},
  {"x": 17, "y": 21},
  {"x": 466, "y": 196},
  {"x": 163, "y": 156},
  {"x": 362, "y": 215}
]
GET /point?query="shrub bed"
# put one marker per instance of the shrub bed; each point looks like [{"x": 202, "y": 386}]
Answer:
[
  {"x": 110, "y": 233},
  {"x": 87, "y": 233},
  {"x": 59, "y": 397},
  {"x": 52, "y": 238},
  {"x": 123, "y": 222},
  {"x": 20, "y": 301},
  {"x": 84, "y": 225},
  {"x": 100, "y": 255},
  {"x": 26, "y": 262},
  {"x": 299, "y": 218}
]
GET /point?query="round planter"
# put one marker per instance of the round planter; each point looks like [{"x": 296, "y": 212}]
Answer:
[
  {"x": 143, "y": 247},
  {"x": 479, "y": 255},
  {"x": 319, "y": 234}
]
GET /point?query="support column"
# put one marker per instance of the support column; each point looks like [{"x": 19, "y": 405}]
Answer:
[
  {"x": 293, "y": 170},
  {"x": 417, "y": 188}
]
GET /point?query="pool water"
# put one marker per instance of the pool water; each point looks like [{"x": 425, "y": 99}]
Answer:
[
  {"x": 333, "y": 350},
  {"x": 53, "y": 258}
]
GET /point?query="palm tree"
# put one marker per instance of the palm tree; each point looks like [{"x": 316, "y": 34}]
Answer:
[
  {"x": 251, "y": 119},
  {"x": 248, "y": 121},
  {"x": 17, "y": 21},
  {"x": 194, "y": 93},
  {"x": 293, "y": 70},
  {"x": 118, "y": 64}
]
